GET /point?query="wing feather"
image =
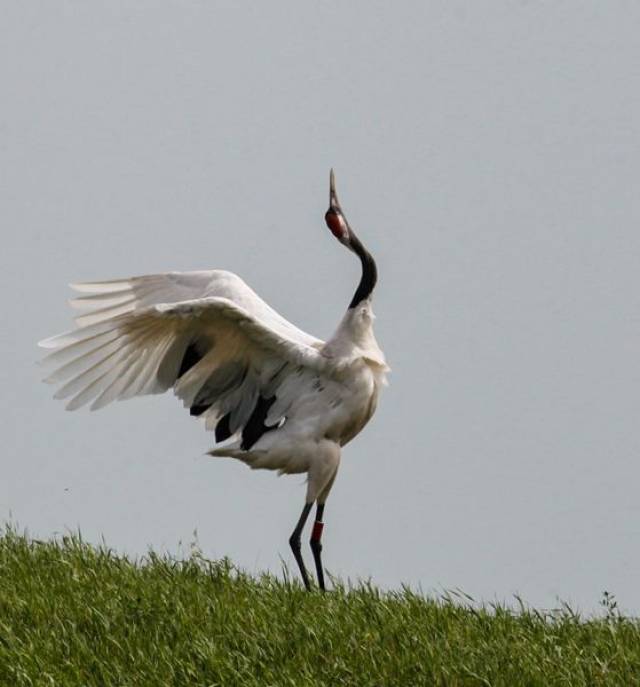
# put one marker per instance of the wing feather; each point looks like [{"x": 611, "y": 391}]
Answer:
[
  {"x": 80, "y": 362},
  {"x": 106, "y": 313},
  {"x": 98, "y": 287},
  {"x": 139, "y": 353},
  {"x": 101, "y": 300},
  {"x": 127, "y": 295},
  {"x": 134, "y": 336}
]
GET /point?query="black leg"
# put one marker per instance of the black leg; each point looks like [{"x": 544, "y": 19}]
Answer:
[
  {"x": 316, "y": 544},
  {"x": 296, "y": 547}
]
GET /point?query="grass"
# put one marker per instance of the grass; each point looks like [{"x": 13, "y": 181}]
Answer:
[{"x": 72, "y": 614}]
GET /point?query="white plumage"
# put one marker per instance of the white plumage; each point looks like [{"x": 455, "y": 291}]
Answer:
[{"x": 277, "y": 397}]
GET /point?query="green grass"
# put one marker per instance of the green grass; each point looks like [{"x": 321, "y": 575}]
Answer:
[{"x": 71, "y": 614}]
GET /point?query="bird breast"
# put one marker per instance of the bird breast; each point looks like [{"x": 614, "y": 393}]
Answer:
[{"x": 357, "y": 402}]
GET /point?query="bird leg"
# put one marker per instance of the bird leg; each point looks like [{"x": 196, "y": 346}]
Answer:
[
  {"x": 296, "y": 547},
  {"x": 316, "y": 545}
]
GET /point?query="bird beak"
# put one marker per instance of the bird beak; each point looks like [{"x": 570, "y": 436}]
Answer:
[{"x": 334, "y": 203}]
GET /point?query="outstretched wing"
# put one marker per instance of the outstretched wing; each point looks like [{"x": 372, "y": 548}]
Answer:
[
  {"x": 226, "y": 364},
  {"x": 106, "y": 299}
]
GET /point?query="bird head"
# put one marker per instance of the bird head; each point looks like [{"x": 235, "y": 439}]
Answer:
[{"x": 334, "y": 217}]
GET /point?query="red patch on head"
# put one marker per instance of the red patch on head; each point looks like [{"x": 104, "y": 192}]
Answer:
[{"x": 337, "y": 225}]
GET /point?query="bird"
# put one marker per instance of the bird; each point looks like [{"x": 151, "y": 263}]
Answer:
[{"x": 275, "y": 397}]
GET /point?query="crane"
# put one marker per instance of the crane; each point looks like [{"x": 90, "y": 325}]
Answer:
[{"x": 276, "y": 397}]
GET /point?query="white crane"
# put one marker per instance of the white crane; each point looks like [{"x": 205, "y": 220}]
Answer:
[{"x": 277, "y": 397}]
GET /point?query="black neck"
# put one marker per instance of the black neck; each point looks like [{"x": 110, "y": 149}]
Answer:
[{"x": 369, "y": 272}]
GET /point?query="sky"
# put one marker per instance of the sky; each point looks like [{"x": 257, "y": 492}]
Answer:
[{"x": 487, "y": 154}]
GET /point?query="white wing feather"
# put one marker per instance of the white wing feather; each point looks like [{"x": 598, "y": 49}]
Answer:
[
  {"x": 107, "y": 299},
  {"x": 139, "y": 352}
]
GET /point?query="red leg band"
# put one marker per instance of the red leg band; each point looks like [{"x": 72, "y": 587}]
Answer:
[{"x": 316, "y": 533}]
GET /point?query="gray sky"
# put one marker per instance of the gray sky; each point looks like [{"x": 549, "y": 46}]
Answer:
[{"x": 487, "y": 153}]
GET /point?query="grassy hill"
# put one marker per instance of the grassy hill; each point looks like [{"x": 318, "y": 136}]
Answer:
[{"x": 71, "y": 614}]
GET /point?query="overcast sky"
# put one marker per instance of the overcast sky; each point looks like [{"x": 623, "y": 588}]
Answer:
[{"x": 488, "y": 154}]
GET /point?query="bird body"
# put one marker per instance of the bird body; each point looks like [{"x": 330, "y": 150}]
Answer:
[
  {"x": 333, "y": 403},
  {"x": 277, "y": 397}
]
